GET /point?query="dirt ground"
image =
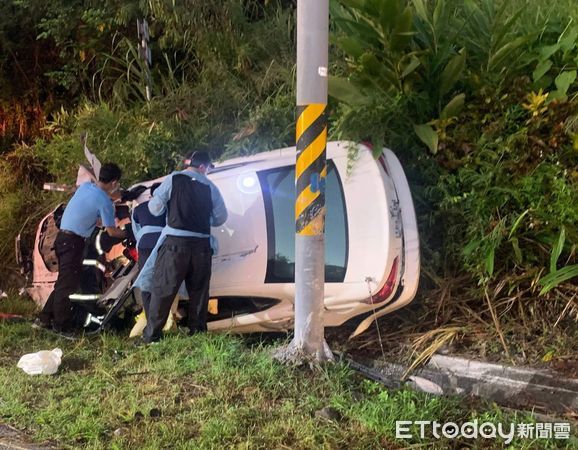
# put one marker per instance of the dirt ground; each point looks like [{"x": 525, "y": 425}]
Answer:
[{"x": 13, "y": 439}]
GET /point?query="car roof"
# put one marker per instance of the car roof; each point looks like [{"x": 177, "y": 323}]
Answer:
[
  {"x": 282, "y": 155},
  {"x": 333, "y": 148}
]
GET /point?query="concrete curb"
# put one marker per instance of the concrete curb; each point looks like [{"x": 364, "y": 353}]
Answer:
[{"x": 520, "y": 388}]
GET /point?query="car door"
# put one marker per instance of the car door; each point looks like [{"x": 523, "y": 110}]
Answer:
[{"x": 241, "y": 256}]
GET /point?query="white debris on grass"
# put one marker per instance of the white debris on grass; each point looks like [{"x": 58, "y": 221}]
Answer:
[{"x": 44, "y": 362}]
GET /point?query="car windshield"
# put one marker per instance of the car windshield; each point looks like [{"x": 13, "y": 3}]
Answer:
[{"x": 278, "y": 187}]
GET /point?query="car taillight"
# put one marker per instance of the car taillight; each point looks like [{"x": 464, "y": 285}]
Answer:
[{"x": 387, "y": 288}]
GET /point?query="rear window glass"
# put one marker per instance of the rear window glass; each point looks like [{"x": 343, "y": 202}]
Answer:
[{"x": 278, "y": 187}]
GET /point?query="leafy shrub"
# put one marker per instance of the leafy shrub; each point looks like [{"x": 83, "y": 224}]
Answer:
[
  {"x": 423, "y": 50},
  {"x": 142, "y": 147},
  {"x": 504, "y": 221},
  {"x": 270, "y": 125},
  {"x": 465, "y": 77}
]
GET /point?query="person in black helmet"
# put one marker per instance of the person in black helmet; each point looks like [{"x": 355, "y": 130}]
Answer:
[
  {"x": 90, "y": 204},
  {"x": 194, "y": 204}
]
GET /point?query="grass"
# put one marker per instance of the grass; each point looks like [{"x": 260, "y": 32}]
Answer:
[
  {"x": 514, "y": 330},
  {"x": 209, "y": 391},
  {"x": 15, "y": 304}
]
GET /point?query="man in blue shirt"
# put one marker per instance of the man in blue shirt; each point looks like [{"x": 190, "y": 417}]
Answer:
[
  {"x": 193, "y": 204},
  {"x": 89, "y": 204}
]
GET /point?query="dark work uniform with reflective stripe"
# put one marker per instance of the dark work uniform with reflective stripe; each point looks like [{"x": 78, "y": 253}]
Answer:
[
  {"x": 181, "y": 259},
  {"x": 58, "y": 310},
  {"x": 87, "y": 205}
]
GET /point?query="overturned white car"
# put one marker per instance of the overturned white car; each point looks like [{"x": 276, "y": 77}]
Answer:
[{"x": 371, "y": 243}]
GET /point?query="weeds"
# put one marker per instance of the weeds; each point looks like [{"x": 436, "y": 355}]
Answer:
[
  {"x": 205, "y": 392},
  {"x": 513, "y": 327}
]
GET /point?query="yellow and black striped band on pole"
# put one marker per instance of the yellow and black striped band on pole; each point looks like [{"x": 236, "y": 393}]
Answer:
[{"x": 310, "y": 169}]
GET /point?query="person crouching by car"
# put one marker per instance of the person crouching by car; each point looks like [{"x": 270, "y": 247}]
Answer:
[
  {"x": 90, "y": 203},
  {"x": 183, "y": 253}
]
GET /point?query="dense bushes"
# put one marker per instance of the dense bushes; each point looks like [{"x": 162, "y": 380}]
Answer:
[
  {"x": 478, "y": 98},
  {"x": 21, "y": 202},
  {"x": 142, "y": 147},
  {"x": 222, "y": 75},
  {"x": 508, "y": 206},
  {"x": 495, "y": 102}
]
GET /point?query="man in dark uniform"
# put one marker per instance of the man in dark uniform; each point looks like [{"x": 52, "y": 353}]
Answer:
[
  {"x": 90, "y": 203},
  {"x": 194, "y": 204},
  {"x": 147, "y": 229}
]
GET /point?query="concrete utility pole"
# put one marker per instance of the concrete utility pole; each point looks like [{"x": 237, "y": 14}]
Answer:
[{"x": 310, "y": 172}]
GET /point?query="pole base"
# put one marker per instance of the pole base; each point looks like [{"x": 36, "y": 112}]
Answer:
[{"x": 295, "y": 354}]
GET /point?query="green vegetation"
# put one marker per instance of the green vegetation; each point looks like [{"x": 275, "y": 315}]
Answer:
[
  {"x": 479, "y": 98},
  {"x": 211, "y": 391},
  {"x": 504, "y": 155}
]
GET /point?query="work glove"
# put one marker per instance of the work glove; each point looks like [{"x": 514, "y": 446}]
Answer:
[{"x": 129, "y": 241}]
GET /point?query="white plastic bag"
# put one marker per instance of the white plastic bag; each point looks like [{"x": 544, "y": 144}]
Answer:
[{"x": 44, "y": 362}]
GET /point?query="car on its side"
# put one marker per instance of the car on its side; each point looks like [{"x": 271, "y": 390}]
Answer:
[{"x": 372, "y": 258}]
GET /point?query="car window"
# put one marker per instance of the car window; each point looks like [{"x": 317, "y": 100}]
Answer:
[{"x": 278, "y": 187}]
